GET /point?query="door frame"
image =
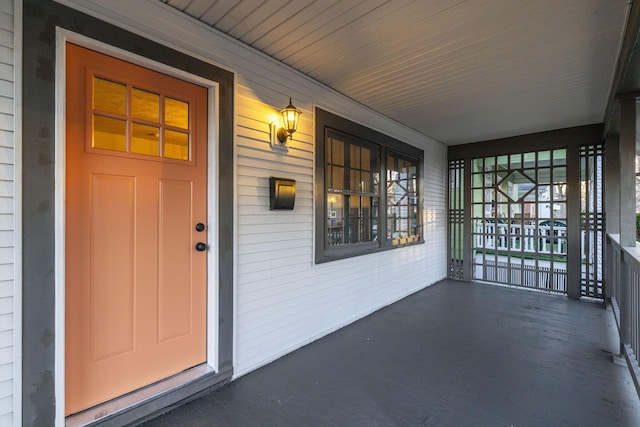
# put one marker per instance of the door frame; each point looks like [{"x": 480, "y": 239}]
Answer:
[{"x": 62, "y": 37}]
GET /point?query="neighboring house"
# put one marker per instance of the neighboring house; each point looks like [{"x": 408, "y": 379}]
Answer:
[{"x": 78, "y": 205}]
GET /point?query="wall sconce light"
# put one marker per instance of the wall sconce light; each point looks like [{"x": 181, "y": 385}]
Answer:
[{"x": 290, "y": 117}]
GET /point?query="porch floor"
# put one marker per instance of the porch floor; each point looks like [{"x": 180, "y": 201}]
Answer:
[{"x": 453, "y": 354}]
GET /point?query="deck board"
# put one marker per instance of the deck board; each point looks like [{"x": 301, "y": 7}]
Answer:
[{"x": 452, "y": 354}]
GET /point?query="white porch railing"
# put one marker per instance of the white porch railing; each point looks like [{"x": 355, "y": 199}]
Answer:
[
  {"x": 623, "y": 287},
  {"x": 528, "y": 238}
]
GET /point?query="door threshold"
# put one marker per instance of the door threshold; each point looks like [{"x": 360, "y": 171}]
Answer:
[{"x": 99, "y": 413}]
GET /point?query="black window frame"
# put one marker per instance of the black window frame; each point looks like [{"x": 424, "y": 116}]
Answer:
[
  {"x": 350, "y": 227},
  {"x": 409, "y": 191},
  {"x": 326, "y": 122}
]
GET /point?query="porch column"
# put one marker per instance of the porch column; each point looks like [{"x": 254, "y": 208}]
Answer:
[
  {"x": 468, "y": 232},
  {"x": 627, "y": 208},
  {"x": 611, "y": 205},
  {"x": 573, "y": 223},
  {"x": 628, "y": 172},
  {"x": 612, "y": 183}
]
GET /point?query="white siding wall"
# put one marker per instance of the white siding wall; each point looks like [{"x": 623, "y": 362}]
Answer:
[
  {"x": 7, "y": 211},
  {"x": 283, "y": 300}
]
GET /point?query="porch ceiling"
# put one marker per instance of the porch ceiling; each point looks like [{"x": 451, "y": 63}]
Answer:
[{"x": 456, "y": 70}]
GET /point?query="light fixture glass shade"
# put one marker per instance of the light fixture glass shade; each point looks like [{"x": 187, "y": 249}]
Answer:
[{"x": 290, "y": 116}]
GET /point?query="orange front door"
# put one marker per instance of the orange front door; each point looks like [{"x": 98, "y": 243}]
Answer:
[{"x": 135, "y": 304}]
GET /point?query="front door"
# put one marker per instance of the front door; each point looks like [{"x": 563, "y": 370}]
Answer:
[{"x": 135, "y": 275}]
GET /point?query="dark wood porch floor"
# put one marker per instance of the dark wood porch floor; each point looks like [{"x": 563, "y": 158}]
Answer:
[{"x": 454, "y": 354}]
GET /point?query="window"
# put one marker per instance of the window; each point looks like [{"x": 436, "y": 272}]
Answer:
[
  {"x": 352, "y": 181},
  {"x": 128, "y": 119},
  {"x": 402, "y": 199},
  {"x": 367, "y": 190}
]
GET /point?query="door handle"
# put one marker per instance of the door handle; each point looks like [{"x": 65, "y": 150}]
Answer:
[
  {"x": 200, "y": 247},
  {"x": 199, "y": 227}
]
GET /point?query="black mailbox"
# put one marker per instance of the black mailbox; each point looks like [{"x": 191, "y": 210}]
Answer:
[{"x": 282, "y": 193}]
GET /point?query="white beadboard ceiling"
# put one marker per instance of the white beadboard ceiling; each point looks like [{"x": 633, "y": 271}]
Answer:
[{"x": 456, "y": 70}]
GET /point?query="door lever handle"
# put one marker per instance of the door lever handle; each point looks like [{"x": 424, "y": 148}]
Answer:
[{"x": 200, "y": 247}]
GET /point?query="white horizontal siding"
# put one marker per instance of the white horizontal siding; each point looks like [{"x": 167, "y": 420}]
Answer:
[
  {"x": 6, "y": 138},
  {"x": 6, "y": 420},
  {"x": 8, "y": 300},
  {"x": 6, "y": 409},
  {"x": 283, "y": 300}
]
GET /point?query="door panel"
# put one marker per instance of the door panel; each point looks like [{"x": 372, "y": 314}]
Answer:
[
  {"x": 135, "y": 287},
  {"x": 175, "y": 260},
  {"x": 112, "y": 289}
]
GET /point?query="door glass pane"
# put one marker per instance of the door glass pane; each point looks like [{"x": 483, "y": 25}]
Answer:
[
  {"x": 109, "y": 97},
  {"x": 145, "y": 140},
  {"x": 176, "y": 113},
  {"x": 109, "y": 134},
  {"x": 176, "y": 145},
  {"x": 145, "y": 105}
]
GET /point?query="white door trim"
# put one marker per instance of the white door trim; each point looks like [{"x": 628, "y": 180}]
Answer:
[{"x": 62, "y": 37}]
